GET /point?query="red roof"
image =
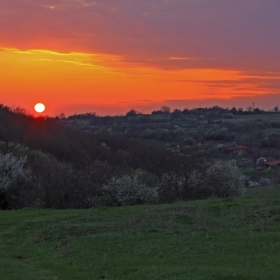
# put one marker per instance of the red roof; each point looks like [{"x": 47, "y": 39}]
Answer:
[
  {"x": 274, "y": 162},
  {"x": 241, "y": 147}
]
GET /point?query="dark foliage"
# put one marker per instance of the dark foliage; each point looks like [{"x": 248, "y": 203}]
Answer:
[{"x": 68, "y": 166}]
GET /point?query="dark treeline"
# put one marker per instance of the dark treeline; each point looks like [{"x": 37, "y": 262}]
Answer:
[
  {"x": 214, "y": 111},
  {"x": 68, "y": 168},
  {"x": 73, "y": 145}
]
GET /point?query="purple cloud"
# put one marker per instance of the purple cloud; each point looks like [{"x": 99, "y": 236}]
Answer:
[{"x": 231, "y": 34}]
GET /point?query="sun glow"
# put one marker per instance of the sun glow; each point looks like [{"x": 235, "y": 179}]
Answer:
[
  {"x": 72, "y": 82},
  {"x": 39, "y": 108}
]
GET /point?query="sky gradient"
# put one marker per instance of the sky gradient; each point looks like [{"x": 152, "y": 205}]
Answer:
[{"x": 108, "y": 56}]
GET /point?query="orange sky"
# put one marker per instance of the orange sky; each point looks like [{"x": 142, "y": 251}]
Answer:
[
  {"x": 73, "y": 69},
  {"x": 77, "y": 82}
]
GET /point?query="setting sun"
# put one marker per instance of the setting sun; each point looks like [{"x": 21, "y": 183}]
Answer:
[{"x": 39, "y": 108}]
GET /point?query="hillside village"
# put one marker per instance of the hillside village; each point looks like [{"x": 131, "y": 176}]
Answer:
[{"x": 226, "y": 134}]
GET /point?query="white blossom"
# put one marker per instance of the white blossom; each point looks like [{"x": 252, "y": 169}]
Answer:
[
  {"x": 10, "y": 168},
  {"x": 129, "y": 190},
  {"x": 225, "y": 179}
]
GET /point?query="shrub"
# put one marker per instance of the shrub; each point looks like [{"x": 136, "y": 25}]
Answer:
[
  {"x": 264, "y": 181},
  {"x": 129, "y": 190},
  {"x": 223, "y": 130},
  {"x": 225, "y": 180},
  {"x": 197, "y": 185},
  {"x": 274, "y": 124},
  {"x": 11, "y": 168}
]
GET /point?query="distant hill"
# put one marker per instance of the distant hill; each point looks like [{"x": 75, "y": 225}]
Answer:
[{"x": 67, "y": 167}]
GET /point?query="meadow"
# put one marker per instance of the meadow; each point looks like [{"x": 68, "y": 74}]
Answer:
[{"x": 206, "y": 239}]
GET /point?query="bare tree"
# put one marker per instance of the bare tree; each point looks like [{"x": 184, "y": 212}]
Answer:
[{"x": 165, "y": 109}]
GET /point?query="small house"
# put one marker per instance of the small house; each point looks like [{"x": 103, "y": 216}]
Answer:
[
  {"x": 242, "y": 150},
  {"x": 239, "y": 150},
  {"x": 272, "y": 164}
]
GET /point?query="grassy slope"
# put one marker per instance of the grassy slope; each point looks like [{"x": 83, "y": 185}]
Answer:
[{"x": 211, "y": 239}]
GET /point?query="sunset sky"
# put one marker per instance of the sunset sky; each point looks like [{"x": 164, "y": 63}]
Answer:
[{"x": 109, "y": 56}]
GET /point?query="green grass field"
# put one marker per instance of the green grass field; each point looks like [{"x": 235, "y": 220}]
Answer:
[
  {"x": 210, "y": 239},
  {"x": 266, "y": 173}
]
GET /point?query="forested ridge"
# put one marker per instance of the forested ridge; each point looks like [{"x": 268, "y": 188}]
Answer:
[{"x": 45, "y": 163}]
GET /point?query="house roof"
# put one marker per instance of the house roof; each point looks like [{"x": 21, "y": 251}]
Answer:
[
  {"x": 241, "y": 147},
  {"x": 273, "y": 163}
]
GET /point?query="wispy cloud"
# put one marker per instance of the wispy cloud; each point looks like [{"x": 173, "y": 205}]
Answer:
[
  {"x": 179, "y": 58},
  {"x": 184, "y": 34},
  {"x": 83, "y": 59}
]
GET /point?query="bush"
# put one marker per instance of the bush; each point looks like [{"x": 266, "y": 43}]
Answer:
[
  {"x": 274, "y": 124},
  {"x": 225, "y": 180},
  {"x": 264, "y": 181},
  {"x": 197, "y": 185},
  {"x": 11, "y": 168},
  {"x": 129, "y": 190}
]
